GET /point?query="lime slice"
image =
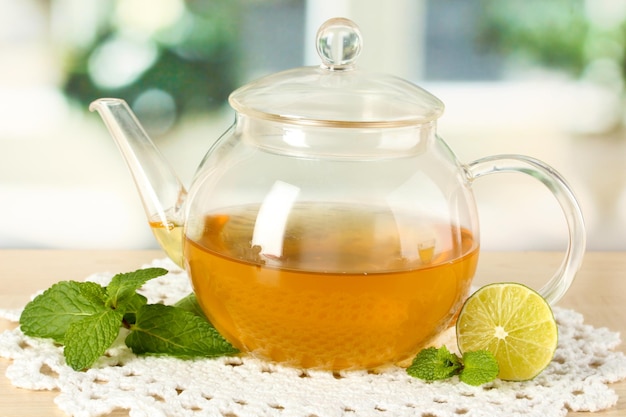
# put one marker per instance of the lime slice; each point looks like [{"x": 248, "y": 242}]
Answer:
[{"x": 514, "y": 323}]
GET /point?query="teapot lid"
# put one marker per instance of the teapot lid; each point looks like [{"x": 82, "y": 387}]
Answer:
[{"x": 337, "y": 93}]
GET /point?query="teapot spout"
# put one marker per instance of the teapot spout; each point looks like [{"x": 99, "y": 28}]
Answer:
[{"x": 161, "y": 192}]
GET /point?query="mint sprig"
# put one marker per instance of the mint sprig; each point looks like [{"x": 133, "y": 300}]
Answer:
[
  {"x": 475, "y": 368},
  {"x": 86, "y": 318}
]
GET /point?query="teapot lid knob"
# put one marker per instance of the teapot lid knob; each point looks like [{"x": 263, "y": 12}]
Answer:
[{"x": 338, "y": 44}]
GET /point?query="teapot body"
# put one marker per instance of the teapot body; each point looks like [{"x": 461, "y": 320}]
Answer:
[
  {"x": 330, "y": 247},
  {"x": 329, "y": 227}
]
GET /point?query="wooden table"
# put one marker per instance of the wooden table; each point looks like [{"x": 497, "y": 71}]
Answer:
[{"x": 599, "y": 293}]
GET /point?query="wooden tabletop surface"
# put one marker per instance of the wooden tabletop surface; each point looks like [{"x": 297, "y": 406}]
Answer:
[{"x": 599, "y": 293}]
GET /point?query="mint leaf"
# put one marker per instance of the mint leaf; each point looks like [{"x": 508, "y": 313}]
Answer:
[
  {"x": 87, "y": 317},
  {"x": 51, "y": 313},
  {"x": 432, "y": 364},
  {"x": 190, "y": 303},
  {"x": 88, "y": 339},
  {"x": 162, "y": 329},
  {"x": 479, "y": 367},
  {"x": 124, "y": 286},
  {"x": 475, "y": 368},
  {"x": 132, "y": 306},
  {"x": 93, "y": 293}
]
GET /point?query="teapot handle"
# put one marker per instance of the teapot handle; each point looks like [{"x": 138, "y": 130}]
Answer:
[{"x": 556, "y": 287}]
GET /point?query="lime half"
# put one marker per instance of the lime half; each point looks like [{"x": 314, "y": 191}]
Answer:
[{"x": 514, "y": 323}]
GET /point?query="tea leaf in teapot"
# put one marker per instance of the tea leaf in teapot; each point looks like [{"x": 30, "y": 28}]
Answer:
[
  {"x": 169, "y": 330},
  {"x": 123, "y": 286},
  {"x": 88, "y": 339},
  {"x": 51, "y": 313}
]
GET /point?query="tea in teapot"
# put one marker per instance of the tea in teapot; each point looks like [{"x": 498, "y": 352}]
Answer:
[{"x": 313, "y": 305}]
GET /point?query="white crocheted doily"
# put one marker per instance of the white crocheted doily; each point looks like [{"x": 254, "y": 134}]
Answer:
[{"x": 576, "y": 379}]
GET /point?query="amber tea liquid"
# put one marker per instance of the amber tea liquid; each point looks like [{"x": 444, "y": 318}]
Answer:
[{"x": 333, "y": 287}]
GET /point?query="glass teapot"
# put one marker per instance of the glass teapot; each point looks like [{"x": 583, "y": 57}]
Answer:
[{"x": 329, "y": 227}]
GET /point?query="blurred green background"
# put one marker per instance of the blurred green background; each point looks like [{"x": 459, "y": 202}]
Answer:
[
  {"x": 543, "y": 78},
  {"x": 185, "y": 56}
]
